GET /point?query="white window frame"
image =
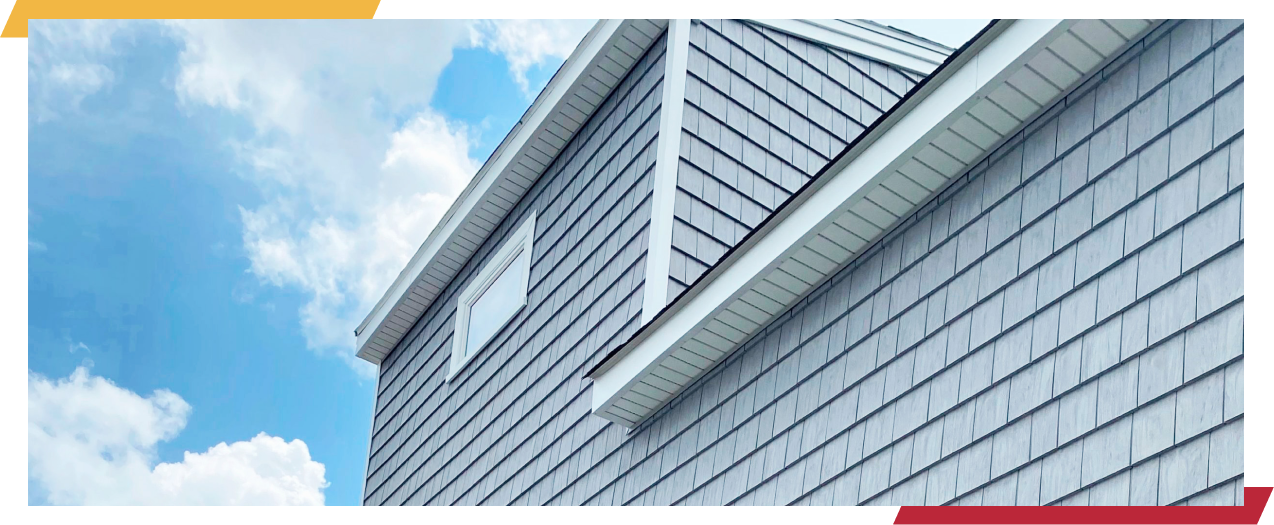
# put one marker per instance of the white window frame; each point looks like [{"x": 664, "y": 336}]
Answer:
[{"x": 522, "y": 240}]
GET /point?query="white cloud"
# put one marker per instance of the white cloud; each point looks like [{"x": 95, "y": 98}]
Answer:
[
  {"x": 36, "y": 246},
  {"x": 90, "y": 442},
  {"x": 345, "y": 258},
  {"x": 354, "y": 166},
  {"x": 64, "y": 63},
  {"x": 528, "y": 43}
]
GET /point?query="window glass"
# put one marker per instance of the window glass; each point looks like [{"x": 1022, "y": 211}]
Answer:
[{"x": 496, "y": 305}]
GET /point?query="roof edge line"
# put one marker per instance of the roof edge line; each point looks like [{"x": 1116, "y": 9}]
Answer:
[
  {"x": 875, "y": 43},
  {"x": 877, "y": 129},
  {"x": 554, "y": 93},
  {"x": 500, "y": 149}
]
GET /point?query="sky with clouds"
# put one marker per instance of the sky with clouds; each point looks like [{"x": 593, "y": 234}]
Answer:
[{"x": 213, "y": 208}]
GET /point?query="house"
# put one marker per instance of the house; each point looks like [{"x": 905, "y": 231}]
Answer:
[{"x": 779, "y": 262}]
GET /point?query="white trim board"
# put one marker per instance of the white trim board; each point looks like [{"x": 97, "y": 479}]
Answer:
[
  {"x": 667, "y": 158},
  {"x": 869, "y": 39},
  {"x": 579, "y": 88},
  {"x": 1002, "y": 79}
]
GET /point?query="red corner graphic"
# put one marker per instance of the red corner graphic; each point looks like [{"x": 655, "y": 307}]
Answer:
[{"x": 1254, "y": 499}]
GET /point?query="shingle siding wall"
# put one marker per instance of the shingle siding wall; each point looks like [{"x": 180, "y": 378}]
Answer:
[
  {"x": 1062, "y": 325},
  {"x": 764, "y": 112},
  {"x": 493, "y": 431}
]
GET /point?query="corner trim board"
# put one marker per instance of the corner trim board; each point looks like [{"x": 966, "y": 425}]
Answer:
[{"x": 667, "y": 158}]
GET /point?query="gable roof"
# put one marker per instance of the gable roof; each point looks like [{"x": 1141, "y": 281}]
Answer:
[
  {"x": 578, "y": 88},
  {"x": 980, "y": 97}
]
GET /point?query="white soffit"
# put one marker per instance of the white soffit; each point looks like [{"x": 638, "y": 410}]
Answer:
[
  {"x": 598, "y": 64},
  {"x": 869, "y": 39},
  {"x": 985, "y": 93}
]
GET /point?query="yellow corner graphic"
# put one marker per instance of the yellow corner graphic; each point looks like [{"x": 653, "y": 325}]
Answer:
[{"x": 24, "y": 10}]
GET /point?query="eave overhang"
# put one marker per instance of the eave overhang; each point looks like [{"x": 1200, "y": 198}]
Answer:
[
  {"x": 978, "y": 98},
  {"x": 579, "y": 87}
]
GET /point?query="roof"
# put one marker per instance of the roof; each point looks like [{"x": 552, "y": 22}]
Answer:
[
  {"x": 870, "y": 39},
  {"x": 575, "y": 91},
  {"x": 578, "y": 88},
  {"x": 980, "y": 97}
]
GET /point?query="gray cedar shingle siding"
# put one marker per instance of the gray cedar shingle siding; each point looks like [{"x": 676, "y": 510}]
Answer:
[
  {"x": 510, "y": 412},
  {"x": 1065, "y": 372},
  {"x": 988, "y": 351},
  {"x": 764, "y": 112}
]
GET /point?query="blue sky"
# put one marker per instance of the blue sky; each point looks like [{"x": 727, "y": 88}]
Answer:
[
  {"x": 144, "y": 268},
  {"x": 213, "y": 207}
]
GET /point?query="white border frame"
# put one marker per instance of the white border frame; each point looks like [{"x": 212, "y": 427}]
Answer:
[{"x": 522, "y": 241}]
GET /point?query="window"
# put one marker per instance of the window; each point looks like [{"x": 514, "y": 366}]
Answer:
[{"x": 494, "y": 297}]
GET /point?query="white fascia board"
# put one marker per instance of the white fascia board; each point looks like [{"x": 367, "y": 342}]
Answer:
[
  {"x": 876, "y": 42},
  {"x": 892, "y": 33},
  {"x": 667, "y": 154},
  {"x": 599, "y": 38},
  {"x": 991, "y": 59}
]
